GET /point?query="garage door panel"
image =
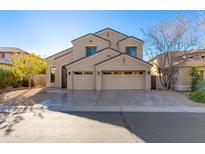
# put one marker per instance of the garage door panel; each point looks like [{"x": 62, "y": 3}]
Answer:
[
  {"x": 123, "y": 81},
  {"x": 84, "y": 82}
]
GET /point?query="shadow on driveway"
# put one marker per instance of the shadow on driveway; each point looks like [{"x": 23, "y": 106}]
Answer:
[{"x": 156, "y": 127}]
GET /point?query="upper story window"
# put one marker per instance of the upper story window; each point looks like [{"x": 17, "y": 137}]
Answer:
[
  {"x": 52, "y": 74},
  {"x": 90, "y": 51},
  {"x": 132, "y": 51}
]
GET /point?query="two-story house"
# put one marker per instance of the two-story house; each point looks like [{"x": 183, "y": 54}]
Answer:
[
  {"x": 103, "y": 60},
  {"x": 6, "y": 54}
]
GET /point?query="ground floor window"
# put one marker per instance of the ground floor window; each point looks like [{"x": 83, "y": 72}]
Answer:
[
  {"x": 81, "y": 73},
  {"x": 78, "y": 73},
  {"x": 107, "y": 73},
  {"x": 123, "y": 72},
  {"x": 116, "y": 72},
  {"x": 52, "y": 74},
  {"x": 88, "y": 73},
  {"x": 128, "y": 72}
]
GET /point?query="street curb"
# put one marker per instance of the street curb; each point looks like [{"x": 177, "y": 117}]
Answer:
[{"x": 63, "y": 108}]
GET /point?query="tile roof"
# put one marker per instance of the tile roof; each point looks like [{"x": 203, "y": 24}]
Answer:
[{"x": 10, "y": 49}]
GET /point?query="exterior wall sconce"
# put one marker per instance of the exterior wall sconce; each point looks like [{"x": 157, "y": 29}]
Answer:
[
  {"x": 68, "y": 73},
  {"x": 148, "y": 72},
  {"x": 98, "y": 72}
]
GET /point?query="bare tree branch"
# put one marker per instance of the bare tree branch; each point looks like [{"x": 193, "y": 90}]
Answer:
[{"x": 169, "y": 41}]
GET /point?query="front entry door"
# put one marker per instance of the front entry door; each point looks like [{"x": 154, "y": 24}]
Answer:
[
  {"x": 153, "y": 82},
  {"x": 64, "y": 77}
]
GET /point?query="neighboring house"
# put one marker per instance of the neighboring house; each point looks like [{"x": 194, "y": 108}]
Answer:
[
  {"x": 195, "y": 57},
  {"x": 6, "y": 54},
  {"x": 103, "y": 60}
]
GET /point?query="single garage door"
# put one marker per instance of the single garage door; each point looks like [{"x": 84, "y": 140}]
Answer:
[
  {"x": 123, "y": 80},
  {"x": 83, "y": 80}
]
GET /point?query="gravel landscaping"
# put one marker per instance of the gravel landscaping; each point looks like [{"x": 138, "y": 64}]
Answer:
[{"x": 25, "y": 97}]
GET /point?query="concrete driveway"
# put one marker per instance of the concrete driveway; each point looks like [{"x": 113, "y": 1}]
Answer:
[{"x": 122, "y": 101}]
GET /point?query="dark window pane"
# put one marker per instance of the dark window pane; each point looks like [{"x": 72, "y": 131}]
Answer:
[
  {"x": 88, "y": 73},
  {"x": 52, "y": 74},
  {"x": 78, "y": 73},
  {"x": 90, "y": 50},
  {"x": 132, "y": 51},
  {"x": 107, "y": 73}
]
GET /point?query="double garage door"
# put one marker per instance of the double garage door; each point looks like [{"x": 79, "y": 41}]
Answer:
[
  {"x": 110, "y": 80},
  {"x": 123, "y": 80}
]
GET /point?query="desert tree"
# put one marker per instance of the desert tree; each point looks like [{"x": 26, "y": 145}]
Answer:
[
  {"x": 168, "y": 42},
  {"x": 28, "y": 65}
]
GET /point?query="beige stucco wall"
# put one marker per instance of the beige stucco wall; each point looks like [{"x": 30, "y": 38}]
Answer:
[
  {"x": 184, "y": 77},
  {"x": 113, "y": 37},
  {"x": 79, "y": 46},
  {"x": 132, "y": 42},
  {"x": 89, "y": 62},
  {"x": 58, "y": 63}
]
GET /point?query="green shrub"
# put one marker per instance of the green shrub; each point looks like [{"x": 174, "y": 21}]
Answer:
[
  {"x": 196, "y": 78},
  {"x": 9, "y": 77},
  {"x": 200, "y": 85},
  {"x": 198, "y": 96},
  {"x": 6, "y": 76}
]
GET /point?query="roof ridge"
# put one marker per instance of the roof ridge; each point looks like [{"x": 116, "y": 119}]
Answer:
[
  {"x": 111, "y": 30},
  {"x": 58, "y": 53},
  {"x": 130, "y": 37},
  {"x": 90, "y": 34}
]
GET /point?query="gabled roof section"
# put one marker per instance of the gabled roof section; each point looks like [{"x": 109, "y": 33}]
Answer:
[
  {"x": 120, "y": 55},
  {"x": 181, "y": 53},
  {"x": 131, "y": 37},
  {"x": 194, "y": 62},
  {"x": 90, "y": 34},
  {"x": 78, "y": 60},
  {"x": 111, "y": 30},
  {"x": 60, "y": 54}
]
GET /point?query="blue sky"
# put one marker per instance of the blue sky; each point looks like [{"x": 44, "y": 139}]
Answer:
[{"x": 48, "y": 32}]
